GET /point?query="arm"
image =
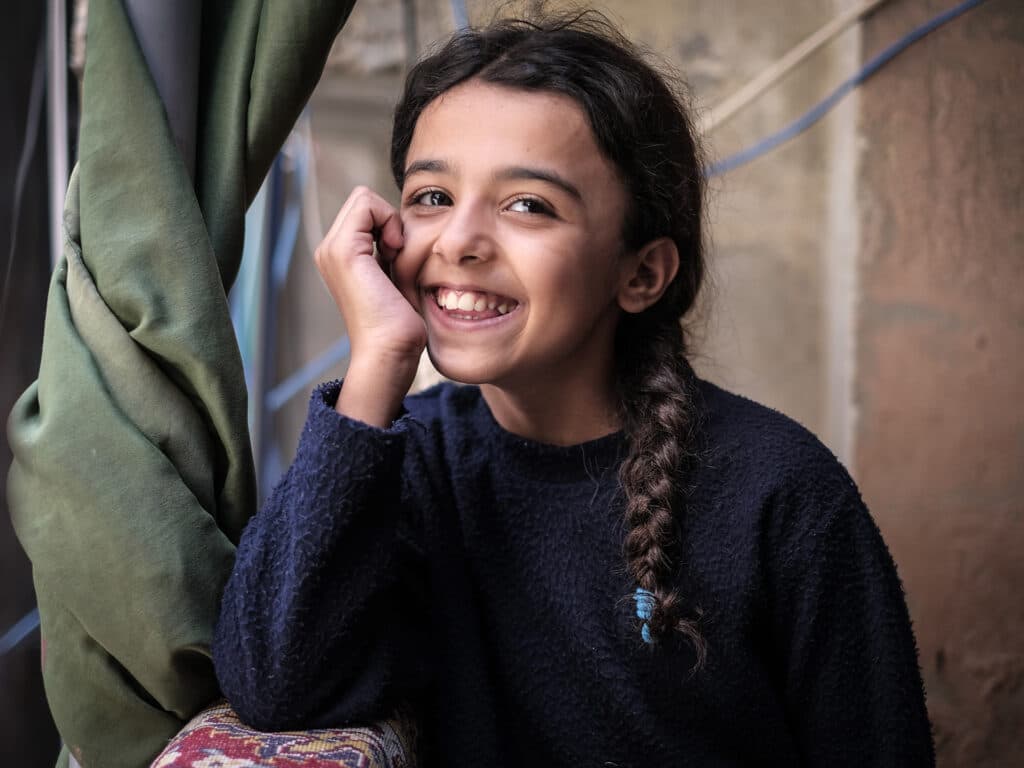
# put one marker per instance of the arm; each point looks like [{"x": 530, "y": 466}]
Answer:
[
  {"x": 317, "y": 625},
  {"x": 852, "y": 681}
]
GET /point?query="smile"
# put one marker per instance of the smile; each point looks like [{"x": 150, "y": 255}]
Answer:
[{"x": 471, "y": 305}]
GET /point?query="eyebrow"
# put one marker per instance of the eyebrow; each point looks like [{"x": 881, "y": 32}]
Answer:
[
  {"x": 539, "y": 174},
  {"x": 427, "y": 166},
  {"x": 510, "y": 173}
]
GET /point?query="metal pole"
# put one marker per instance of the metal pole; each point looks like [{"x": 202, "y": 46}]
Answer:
[
  {"x": 57, "y": 121},
  {"x": 411, "y": 34},
  {"x": 168, "y": 34},
  {"x": 263, "y": 354}
]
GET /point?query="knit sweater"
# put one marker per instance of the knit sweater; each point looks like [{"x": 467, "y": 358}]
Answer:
[{"x": 478, "y": 577}]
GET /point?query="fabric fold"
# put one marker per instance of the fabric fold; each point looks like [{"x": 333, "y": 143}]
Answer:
[{"x": 132, "y": 473}]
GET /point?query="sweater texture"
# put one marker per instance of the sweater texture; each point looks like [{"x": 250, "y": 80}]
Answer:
[{"x": 447, "y": 565}]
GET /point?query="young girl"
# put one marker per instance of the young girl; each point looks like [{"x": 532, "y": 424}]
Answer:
[{"x": 589, "y": 557}]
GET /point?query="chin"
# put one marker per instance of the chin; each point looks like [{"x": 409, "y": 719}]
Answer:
[{"x": 462, "y": 371}]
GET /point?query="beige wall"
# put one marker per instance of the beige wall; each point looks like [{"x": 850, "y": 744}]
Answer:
[
  {"x": 940, "y": 438},
  {"x": 867, "y": 281}
]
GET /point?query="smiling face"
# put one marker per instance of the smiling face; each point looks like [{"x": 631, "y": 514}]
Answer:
[{"x": 513, "y": 254}]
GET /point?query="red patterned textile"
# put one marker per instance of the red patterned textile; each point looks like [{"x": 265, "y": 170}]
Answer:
[{"x": 216, "y": 738}]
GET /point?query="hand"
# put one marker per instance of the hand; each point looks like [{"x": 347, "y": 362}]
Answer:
[{"x": 386, "y": 333}]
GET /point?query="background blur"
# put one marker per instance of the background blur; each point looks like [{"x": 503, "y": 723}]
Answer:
[{"x": 868, "y": 280}]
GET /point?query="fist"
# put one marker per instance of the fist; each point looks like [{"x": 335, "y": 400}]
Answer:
[{"x": 355, "y": 261}]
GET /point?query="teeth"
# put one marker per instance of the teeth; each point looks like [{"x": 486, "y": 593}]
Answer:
[{"x": 471, "y": 301}]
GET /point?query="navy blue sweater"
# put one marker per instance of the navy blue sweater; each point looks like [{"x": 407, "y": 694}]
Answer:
[{"x": 449, "y": 565}]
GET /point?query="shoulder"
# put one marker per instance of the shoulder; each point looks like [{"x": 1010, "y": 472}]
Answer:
[
  {"x": 765, "y": 474},
  {"x": 766, "y": 447},
  {"x": 776, "y": 492}
]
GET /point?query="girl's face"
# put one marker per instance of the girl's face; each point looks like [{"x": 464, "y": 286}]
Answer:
[{"x": 512, "y": 221}]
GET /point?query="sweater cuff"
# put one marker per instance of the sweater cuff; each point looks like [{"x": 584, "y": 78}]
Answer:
[{"x": 326, "y": 426}]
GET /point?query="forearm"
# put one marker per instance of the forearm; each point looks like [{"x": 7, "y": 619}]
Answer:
[{"x": 303, "y": 618}]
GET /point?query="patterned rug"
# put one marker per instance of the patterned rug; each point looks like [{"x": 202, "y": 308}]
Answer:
[{"x": 216, "y": 738}]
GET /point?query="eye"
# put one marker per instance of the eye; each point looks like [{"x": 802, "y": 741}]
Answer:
[
  {"x": 530, "y": 205},
  {"x": 430, "y": 198}
]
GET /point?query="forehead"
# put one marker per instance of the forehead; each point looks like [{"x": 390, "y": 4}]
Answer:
[{"x": 480, "y": 126}]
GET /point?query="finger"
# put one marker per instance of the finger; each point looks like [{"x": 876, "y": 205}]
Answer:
[
  {"x": 374, "y": 216},
  {"x": 392, "y": 237},
  {"x": 358, "y": 198},
  {"x": 342, "y": 214},
  {"x": 370, "y": 214}
]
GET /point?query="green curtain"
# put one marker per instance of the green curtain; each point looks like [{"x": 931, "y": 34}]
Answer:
[{"x": 132, "y": 475}]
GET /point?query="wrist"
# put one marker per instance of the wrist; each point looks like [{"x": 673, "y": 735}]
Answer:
[{"x": 373, "y": 389}]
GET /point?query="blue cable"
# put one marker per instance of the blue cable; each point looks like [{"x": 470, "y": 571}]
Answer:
[
  {"x": 311, "y": 371},
  {"x": 817, "y": 112},
  {"x": 460, "y": 14},
  {"x": 22, "y": 629}
]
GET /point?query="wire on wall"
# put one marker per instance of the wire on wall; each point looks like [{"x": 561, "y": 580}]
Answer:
[
  {"x": 460, "y": 16},
  {"x": 21, "y": 629},
  {"x": 815, "y": 113},
  {"x": 721, "y": 113}
]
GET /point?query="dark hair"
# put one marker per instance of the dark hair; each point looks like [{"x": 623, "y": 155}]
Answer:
[{"x": 644, "y": 129}]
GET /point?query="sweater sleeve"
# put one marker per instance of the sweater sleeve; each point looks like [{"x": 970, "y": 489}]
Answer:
[
  {"x": 318, "y": 623},
  {"x": 853, "y": 686}
]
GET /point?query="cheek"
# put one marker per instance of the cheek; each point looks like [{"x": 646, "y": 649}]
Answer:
[
  {"x": 404, "y": 274},
  {"x": 575, "y": 269}
]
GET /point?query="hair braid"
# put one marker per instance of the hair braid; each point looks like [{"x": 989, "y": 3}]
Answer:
[{"x": 660, "y": 419}]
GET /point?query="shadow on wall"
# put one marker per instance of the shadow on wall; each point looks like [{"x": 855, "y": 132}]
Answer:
[{"x": 27, "y": 735}]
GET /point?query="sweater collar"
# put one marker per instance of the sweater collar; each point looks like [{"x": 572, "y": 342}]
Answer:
[{"x": 551, "y": 463}]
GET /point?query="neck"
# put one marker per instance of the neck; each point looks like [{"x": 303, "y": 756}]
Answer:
[{"x": 570, "y": 413}]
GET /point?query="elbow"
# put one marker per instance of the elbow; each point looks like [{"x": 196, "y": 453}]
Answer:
[
  {"x": 256, "y": 697},
  {"x": 267, "y": 689},
  {"x": 251, "y": 688}
]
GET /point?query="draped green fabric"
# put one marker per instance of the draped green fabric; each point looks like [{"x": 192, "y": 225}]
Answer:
[{"x": 132, "y": 475}]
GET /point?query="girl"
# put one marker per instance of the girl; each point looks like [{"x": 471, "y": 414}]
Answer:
[{"x": 590, "y": 557}]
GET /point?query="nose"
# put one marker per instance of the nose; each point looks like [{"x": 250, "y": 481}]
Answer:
[{"x": 467, "y": 234}]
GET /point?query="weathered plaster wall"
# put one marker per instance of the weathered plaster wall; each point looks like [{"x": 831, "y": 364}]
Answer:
[{"x": 940, "y": 376}]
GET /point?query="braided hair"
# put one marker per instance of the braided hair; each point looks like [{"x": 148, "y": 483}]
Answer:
[{"x": 643, "y": 127}]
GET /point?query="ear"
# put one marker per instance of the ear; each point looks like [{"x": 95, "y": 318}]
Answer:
[{"x": 648, "y": 272}]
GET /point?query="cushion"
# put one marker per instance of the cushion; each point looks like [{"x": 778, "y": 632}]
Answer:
[{"x": 216, "y": 738}]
